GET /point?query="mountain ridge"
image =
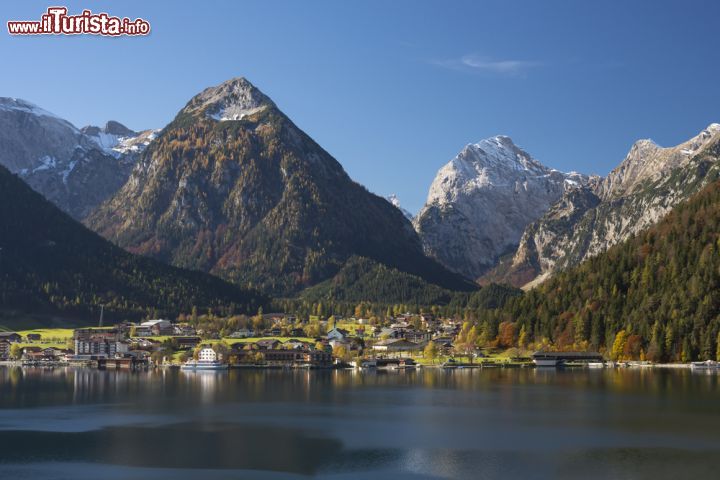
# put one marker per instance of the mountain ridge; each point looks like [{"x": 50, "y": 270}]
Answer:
[
  {"x": 646, "y": 186},
  {"x": 75, "y": 168}
]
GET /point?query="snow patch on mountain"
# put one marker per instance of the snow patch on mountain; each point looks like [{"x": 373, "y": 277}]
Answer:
[
  {"x": 118, "y": 145},
  {"x": 46, "y": 163},
  {"x": 392, "y": 198}
]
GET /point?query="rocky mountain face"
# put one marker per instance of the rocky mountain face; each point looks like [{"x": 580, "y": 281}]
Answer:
[
  {"x": 481, "y": 201},
  {"x": 75, "y": 169},
  {"x": 231, "y": 186},
  {"x": 649, "y": 183}
]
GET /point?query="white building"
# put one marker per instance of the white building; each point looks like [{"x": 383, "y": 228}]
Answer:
[
  {"x": 243, "y": 333},
  {"x": 207, "y": 354}
]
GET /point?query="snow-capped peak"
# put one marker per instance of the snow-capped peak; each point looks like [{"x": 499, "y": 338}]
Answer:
[
  {"x": 499, "y": 152},
  {"x": 494, "y": 162},
  {"x": 392, "y": 198},
  {"x": 7, "y": 103},
  {"x": 481, "y": 201},
  {"x": 231, "y": 100}
]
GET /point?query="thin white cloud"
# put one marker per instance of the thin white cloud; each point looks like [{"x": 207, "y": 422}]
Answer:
[{"x": 481, "y": 64}]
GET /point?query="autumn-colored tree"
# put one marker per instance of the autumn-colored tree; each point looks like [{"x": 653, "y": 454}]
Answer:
[
  {"x": 522, "y": 338},
  {"x": 430, "y": 352},
  {"x": 633, "y": 347},
  {"x": 342, "y": 352},
  {"x": 618, "y": 345},
  {"x": 15, "y": 351},
  {"x": 506, "y": 334},
  {"x": 222, "y": 349}
]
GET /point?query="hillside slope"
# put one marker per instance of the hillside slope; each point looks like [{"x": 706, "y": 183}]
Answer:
[
  {"x": 660, "y": 288},
  {"x": 51, "y": 263}
]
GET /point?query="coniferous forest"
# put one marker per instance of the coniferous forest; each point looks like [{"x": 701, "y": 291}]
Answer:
[{"x": 655, "y": 296}]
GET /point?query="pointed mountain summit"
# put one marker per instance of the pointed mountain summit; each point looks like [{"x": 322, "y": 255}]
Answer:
[
  {"x": 231, "y": 186},
  {"x": 231, "y": 100},
  {"x": 481, "y": 201}
]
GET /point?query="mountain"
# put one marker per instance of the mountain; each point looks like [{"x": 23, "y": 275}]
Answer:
[
  {"x": 392, "y": 198},
  {"x": 647, "y": 185},
  {"x": 75, "y": 169},
  {"x": 50, "y": 262},
  {"x": 364, "y": 280},
  {"x": 119, "y": 141},
  {"x": 231, "y": 186},
  {"x": 654, "y": 295},
  {"x": 481, "y": 201}
]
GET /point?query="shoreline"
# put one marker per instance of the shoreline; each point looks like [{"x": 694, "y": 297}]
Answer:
[{"x": 479, "y": 366}]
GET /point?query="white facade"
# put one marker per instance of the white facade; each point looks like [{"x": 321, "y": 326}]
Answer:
[{"x": 207, "y": 354}]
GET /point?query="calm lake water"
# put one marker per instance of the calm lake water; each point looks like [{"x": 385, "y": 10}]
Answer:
[{"x": 481, "y": 424}]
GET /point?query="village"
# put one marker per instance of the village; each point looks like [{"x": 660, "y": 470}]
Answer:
[
  {"x": 405, "y": 341},
  {"x": 277, "y": 340}
]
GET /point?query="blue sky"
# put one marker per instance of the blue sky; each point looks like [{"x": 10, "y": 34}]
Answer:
[{"x": 394, "y": 89}]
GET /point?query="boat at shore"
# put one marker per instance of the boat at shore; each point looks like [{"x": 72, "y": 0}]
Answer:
[
  {"x": 207, "y": 360},
  {"x": 194, "y": 365}
]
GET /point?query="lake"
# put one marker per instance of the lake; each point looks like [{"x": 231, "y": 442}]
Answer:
[{"x": 78, "y": 424}]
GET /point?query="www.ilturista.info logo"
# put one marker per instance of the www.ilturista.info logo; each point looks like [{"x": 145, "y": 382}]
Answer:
[{"x": 57, "y": 22}]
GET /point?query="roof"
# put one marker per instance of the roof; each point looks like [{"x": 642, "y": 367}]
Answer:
[
  {"x": 8, "y": 334},
  {"x": 396, "y": 341},
  {"x": 151, "y": 323},
  {"x": 568, "y": 355}
]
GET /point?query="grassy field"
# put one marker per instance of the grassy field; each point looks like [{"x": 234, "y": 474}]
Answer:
[
  {"x": 233, "y": 341},
  {"x": 62, "y": 345},
  {"x": 50, "y": 333},
  {"x": 352, "y": 328},
  {"x": 491, "y": 357}
]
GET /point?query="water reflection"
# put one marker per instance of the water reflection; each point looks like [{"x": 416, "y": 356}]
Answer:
[
  {"x": 206, "y": 382},
  {"x": 494, "y": 423}
]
